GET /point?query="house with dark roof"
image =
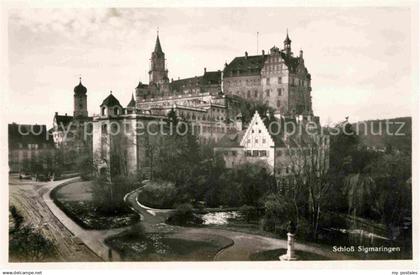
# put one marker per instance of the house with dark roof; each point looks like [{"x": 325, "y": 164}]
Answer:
[
  {"x": 282, "y": 144},
  {"x": 27, "y": 143},
  {"x": 278, "y": 78}
]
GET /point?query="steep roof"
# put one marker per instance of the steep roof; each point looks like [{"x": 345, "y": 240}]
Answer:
[
  {"x": 141, "y": 85},
  {"x": 63, "y": 120},
  {"x": 132, "y": 102},
  {"x": 158, "y": 47},
  {"x": 296, "y": 138},
  {"x": 110, "y": 101},
  {"x": 28, "y": 134},
  {"x": 213, "y": 77},
  {"x": 252, "y": 65},
  {"x": 231, "y": 140},
  {"x": 245, "y": 65}
]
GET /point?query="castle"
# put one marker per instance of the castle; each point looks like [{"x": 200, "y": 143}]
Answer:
[{"x": 277, "y": 78}]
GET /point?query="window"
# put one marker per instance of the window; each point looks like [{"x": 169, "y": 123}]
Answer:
[
  {"x": 259, "y": 131},
  {"x": 103, "y": 111},
  {"x": 267, "y": 81},
  {"x": 267, "y": 92},
  {"x": 249, "y": 93},
  {"x": 248, "y": 153},
  {"x": 263, "y": 153},
  {"x": 278, "y": 103},
  {"x": 263, "y": 141},
  {"x": 255, "y": 153},
  {"x": 104, "y": 129},
  {"x": 255, "y": 93},
  {"x": 249, "y": 141},
  {"x": 279, "y": 91},
  {"x": 279, "y": 153},
  {"x": 234, "y": 153},
  {"x": 279, "y": 80},
  {"x": 256, "y": 140}
]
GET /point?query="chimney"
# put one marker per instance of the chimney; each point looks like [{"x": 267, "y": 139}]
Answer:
[
  {"x": 65, "y": 114},
  {"x": 301, "y": 54},
  {"x": 56, "y": 113},
  {"x": 246, "y": 54},
  {"x": 205, "y": 70},
  {"x": 263, "y": 52}
]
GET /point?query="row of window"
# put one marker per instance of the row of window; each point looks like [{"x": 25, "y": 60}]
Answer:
[
  {"x": 256, "y": 153},
  {"x": 279, "y": 80},
  {"x": 32, "y": 146},
  {"x": 256, "y": 140},
  {"x": 279, "y": 92}
]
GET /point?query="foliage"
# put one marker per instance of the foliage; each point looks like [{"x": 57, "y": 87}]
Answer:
[
  {"x": 136, "y": 231},
  {"x": 16, "y": 216},
  {"x": 26, "y": 244},
  {"x": 248, "y": 212},
  {"x": 85, "y": 167},
  {"x": 247, "y": 108},
  {"x": 375, "y": 185},
  {"x": 278, "y": 212},
  {"x": 158, "y": 194},
  {"x": 109, "y": 197},
  {"x": 184, "y": 215}
]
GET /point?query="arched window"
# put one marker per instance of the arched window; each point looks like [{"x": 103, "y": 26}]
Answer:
[
  {"x": 103, "y": 111},
  {"x": 116, "y": 110}
]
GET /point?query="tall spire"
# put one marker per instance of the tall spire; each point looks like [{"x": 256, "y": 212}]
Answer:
[
  {"x": 287, "y": 43},
  {"x": 158, "y": 48},
  {"x": 287, "y": 40}
]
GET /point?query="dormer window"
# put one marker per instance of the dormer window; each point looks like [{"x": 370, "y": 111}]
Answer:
[
  {"x": 103, "y": 111},
  {"x": 116, "y": 111}
]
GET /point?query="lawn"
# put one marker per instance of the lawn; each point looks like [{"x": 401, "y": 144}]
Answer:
[
  {"x": 168, "y": 247},
  {"x": 75, "y": 199}
]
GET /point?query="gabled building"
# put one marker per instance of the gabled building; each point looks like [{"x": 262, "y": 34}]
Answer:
[
  {"x": 278, "y": 78},
  {"x": 282, "y": 144}
]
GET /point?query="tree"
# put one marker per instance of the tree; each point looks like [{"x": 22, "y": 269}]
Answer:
[
  {"x": 26, "y": 244},
  {"x": 278, "y": 211}
]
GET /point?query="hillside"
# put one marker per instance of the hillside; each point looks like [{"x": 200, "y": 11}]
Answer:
[{"x": 375, "y": 133}]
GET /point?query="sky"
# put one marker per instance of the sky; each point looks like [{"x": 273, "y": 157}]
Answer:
[{"x": 359, "y": 58}]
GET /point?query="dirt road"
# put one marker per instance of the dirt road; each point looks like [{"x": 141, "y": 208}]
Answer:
[{"x": 26, "y": 195}]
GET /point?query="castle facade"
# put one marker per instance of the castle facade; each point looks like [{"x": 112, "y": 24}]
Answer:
[{"x": 277, "y": 79}]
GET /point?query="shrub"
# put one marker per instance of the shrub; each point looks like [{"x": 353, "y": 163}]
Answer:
[
  {"x": 248, "y": 212},
  {"x": 278, "y": 213},
  {"x": 136, "y": 231},
  {"x": 25, "y": 244},
  {"x": 184, "y": 215},
  {"x": 158, "y": 194}
]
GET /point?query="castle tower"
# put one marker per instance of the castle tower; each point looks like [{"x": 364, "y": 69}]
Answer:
[
  {"x": 158, "y": 74},
  {"x": 287, "y": 44},
  {"x": 80, "y": 100}
]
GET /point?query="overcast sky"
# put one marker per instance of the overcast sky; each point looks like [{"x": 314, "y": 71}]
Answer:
[{"x": 359, "y": 58}]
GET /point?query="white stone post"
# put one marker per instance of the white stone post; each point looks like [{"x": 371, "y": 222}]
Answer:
[{"x": 290, "y": 255}]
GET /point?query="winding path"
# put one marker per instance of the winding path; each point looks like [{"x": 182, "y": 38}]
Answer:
[
  {"x": 244, "y": 244},
  {"x": 93, "y": 239}
]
